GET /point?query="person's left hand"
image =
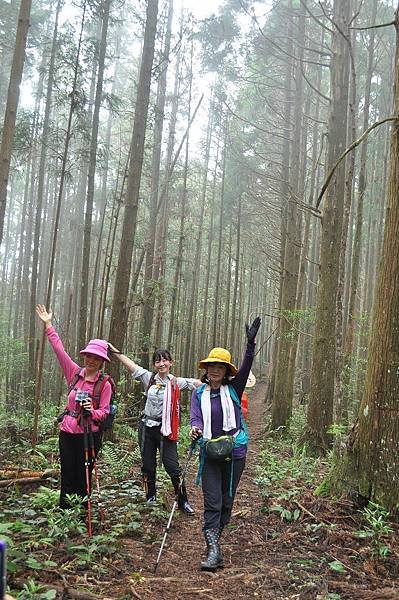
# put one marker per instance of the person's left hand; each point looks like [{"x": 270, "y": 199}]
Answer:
[
  {"x": 252, "y": 330},
  {"x": 87, "y": 404}
]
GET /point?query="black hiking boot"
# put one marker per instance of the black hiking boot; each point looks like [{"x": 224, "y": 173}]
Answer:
[
  {"x": 182, "y": 499},
  {"x": 214, "y": 559}
]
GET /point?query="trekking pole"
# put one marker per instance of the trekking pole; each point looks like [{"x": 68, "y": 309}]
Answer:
[
  {"x": 94, "y": 463},
  {"x": 86, "y": 447},
  {"x": 183, "y": 475}
]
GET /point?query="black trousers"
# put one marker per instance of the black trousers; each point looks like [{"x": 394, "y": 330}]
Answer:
[
  {"x": 72, "y": 457},
  {"x": 153, "y": 441},
  {"x": 216, "y": 479}
]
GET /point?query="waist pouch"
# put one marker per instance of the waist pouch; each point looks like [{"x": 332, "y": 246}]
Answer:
[{"x": 220, "y": 449}]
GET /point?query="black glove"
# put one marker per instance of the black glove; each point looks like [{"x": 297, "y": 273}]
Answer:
[{"x": 252, "y": 330}]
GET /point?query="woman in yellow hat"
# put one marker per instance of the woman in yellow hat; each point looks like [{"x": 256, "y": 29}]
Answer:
[{"x": 217, "y": 423}]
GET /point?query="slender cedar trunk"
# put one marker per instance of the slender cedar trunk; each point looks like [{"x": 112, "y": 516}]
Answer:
[
  {"x": 183, "y": 216},
  {"x": 192, "y": 311},
  {"x": 40, "y": 195},
  {"x": 320, "y": 410},
  {"x": 84, "y": 283},
  {"x": 150, "y": 284},
  {"x": 163, "y": 218},
  {"x": 220, "y": 239},
  {"x": 24, "y": 248},
  {"x": 297, "y": 186},
  {"x": 96, "y": 289},
  {"x": 40, "y": 356},
  {"x": 341, "y": 408},
  {"x": 371, "y": 465},
  {"x": 122, "y": 279},
  {"x": 281, "y": 406},
  {"x": 356, "y": 254},
  {"x": 228, "y": 293},
  {"x": 203, "y": 342},
  {"x": 12, "y": 104},
  {"x": 235, "y": 316},
  {"x": 307, "y": 266}
]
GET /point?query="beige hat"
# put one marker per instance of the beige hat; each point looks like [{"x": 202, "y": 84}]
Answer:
[{"x": 251, "y": 380}]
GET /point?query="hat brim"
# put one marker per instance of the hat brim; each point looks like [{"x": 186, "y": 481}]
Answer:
[
  {"x": 95, "y": 354},
  {"x": 251, "y": 380},
  {"x": 202, "y": 364}
]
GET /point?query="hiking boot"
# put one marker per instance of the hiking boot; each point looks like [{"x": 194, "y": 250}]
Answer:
[
  {"x": 182, "y": 499},
  {"x": 221, "y": 561},
  {"x": 151, "y": 500},
  {"x": 186, "y": 508},
  {"x": 214, "y": 559}
]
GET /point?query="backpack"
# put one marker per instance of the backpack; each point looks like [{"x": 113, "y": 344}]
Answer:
[
  {"x": 107, "y": 424},
  {"x": 244, "y": 404}
]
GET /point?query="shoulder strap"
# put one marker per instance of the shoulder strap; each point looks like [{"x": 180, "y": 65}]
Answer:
[
  {"x": 151, "y": 382},
  {"x": 99, "y": 386},
  {"x": 74, "y": 380}
]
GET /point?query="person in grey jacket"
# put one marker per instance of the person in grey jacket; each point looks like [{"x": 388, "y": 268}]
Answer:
[{"x": 159, "y": 425}]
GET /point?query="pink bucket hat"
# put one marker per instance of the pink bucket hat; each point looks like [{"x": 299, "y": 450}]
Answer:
[{"x": 97, "y": 347}]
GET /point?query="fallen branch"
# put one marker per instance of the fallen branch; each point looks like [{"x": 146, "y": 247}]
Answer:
[
  {"x": 21, "y": 480},
  {"x": 17, "y": 473}
]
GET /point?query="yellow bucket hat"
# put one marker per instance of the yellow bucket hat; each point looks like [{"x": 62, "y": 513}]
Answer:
[{"x": 219, "y": 355}]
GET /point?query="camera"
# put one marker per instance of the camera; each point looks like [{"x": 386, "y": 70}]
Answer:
[{"x": 81, "y": 396}]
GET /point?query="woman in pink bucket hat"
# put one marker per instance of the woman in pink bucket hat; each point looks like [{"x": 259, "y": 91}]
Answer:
[{"x": 88, "y": 391}]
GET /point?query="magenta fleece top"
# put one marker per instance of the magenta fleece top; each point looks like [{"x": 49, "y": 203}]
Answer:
[{"x": 70, "y": 424}]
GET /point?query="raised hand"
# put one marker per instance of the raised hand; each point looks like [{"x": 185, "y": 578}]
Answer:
[
  {"x": 252, "y": 330},
  {"x": 43, "y": 315},
  {"x": 112, "y": 348}
]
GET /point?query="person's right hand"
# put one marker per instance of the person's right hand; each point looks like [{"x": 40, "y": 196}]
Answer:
[
  {"x": 45, "y": 316},
  {"x": 112, "y": 348},
  {"x": 195, "y": 433}
]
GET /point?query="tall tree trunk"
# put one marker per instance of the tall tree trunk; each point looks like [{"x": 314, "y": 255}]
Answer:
[
  {"x": 347, "y": 389},
  {"x": 84, "y": 284},
  {"x": 122, "y": 279},
  {"x": 40, "y": 195},
  {"x": 40, "y": 356},
  {"x": 371, "y": 464},
  {"x": 149, "y": 281},
  {"x": 281, "y": 406},
  {"x": 12, "y": 105},
  {"x": 320, "y": 410}
]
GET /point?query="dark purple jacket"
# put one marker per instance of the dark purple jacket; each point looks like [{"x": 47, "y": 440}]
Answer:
[{"x": 238, "y": 383}]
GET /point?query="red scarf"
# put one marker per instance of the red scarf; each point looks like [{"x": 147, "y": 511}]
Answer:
[{"x": 175, "y": 411}]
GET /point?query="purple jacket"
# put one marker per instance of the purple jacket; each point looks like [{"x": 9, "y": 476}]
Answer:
[{"x": 238, "y": 383}]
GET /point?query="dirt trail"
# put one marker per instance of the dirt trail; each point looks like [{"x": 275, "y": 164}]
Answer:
[{"x": 244, "y": 543}]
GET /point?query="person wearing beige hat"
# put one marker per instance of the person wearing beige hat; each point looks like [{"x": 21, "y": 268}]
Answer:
[
  {"x": 89, "y": 394},
  {"x": 217, "y": 423}
]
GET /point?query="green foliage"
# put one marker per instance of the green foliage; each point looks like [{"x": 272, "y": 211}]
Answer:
[
  {"x": 336, "y": 565},
  {"x": 377, "y": 528},
  {"x": 13, "y": 354},
  {"x": 35, "y": 591}
]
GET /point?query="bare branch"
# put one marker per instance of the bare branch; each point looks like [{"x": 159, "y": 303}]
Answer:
[
  {"x": 349, "y": 149},
  {"x": 373, "y": 26}
]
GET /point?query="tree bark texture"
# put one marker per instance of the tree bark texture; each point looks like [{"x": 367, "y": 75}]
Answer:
[
  {"x": 121, "y": 291},
  {"x": 12, "y": 104},
  {"x": 320, "y": 410}
]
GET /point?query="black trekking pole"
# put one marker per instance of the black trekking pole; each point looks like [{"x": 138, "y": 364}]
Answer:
[
  {"x": 95, "y": 467},
  {"x": 88, "y": 490},
  {"x": 175, "y": 503}
]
